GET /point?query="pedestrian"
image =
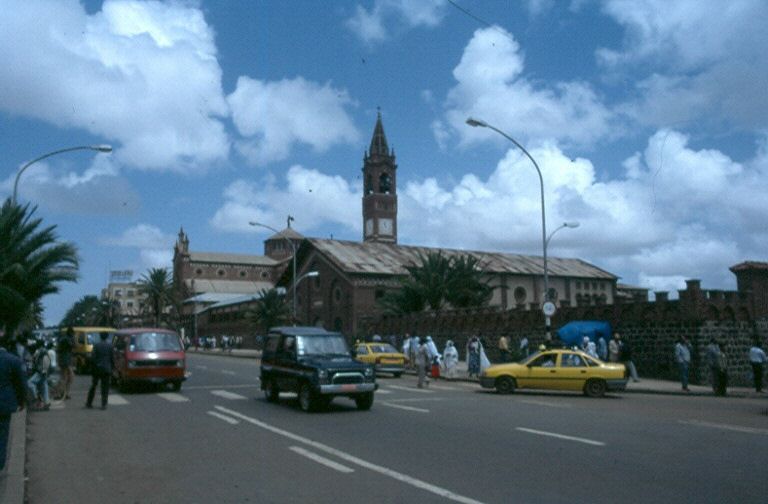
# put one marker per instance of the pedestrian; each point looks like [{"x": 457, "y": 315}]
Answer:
[
  {"x": 423, "y": 361},
  {"x": 614, "y": 348},
  {"x": 376, "y": 338},
  {"x": 64, "y": 349},
  {"x": 473, "y": 357},
  {"x": 433, "y": 353},
  {"x": 602, "y": 348},
  {"x": 722, "y": 371},
  {"x": 38, "y": 384},
  {"x": 13, "y": 388},
  {"x": 524, "y": 349},
  {"x": 683, "y": 359},
  {"x": 504, "y": 348},
  {"x": 413, "y": 348},
  {"x": 757, "y": 359},
  {"x": 711, "y": 356},
  {"x": 450, "y": 360},
  {"x": 589, "y": 347},
  {"x": 407, "y": 350},
  {"x": 625, "y": 357},
  {"x": 101, "y": 370}
]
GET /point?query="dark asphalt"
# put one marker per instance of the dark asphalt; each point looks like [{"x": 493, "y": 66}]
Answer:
[{"x": 220, "y": 441}]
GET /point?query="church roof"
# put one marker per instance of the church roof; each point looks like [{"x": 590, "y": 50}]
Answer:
[
  {"x": 379, "y": 145},
  {"x": 225, "y": 286},
  {"x": 390, "y": 259},
  {"x": 289, "y": 233},
  {"x": 749, "y": 265},
  {"x": 219, "y": 258}
]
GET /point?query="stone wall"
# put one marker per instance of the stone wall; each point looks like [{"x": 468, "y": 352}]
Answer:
[{"x": 651, "y": 328}]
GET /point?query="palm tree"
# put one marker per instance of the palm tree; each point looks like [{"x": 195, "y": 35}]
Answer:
[
  {"x": 270, "y": 310},
  {"x": 466, "y": 286},
  {"x": 32, "y": 264},
  {"x": 156, "y": 285}
]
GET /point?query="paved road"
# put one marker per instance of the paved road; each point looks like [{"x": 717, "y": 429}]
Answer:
[{"x": 219, "y": 441}]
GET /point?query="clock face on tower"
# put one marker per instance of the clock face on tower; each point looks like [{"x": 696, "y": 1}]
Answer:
[
  {"x": 385, "y": 226},
  {"x": 369, "y": 227}
]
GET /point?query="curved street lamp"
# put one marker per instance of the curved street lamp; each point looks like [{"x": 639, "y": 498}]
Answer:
[
  {"x": 97, "y": 148},
  {"x": 293, "y": 253},
  {"x": 483, "y": 124},
  {"x": 570, "y": 225}
]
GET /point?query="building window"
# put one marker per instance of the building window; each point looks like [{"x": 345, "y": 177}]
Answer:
[
  {"x": 379, "y": 293},
  {"x": 552, "y": 294},
  {"x": 199, "y": 271},
  {"x": 520, "y": 294},
  {"x": 129, "y": 304},
  {"x": 337, "y": 294},
  {"x": 264, "y": 274},
  {"x": 242, "y": 274},
  {"x": 602, "y": 286},
  {"x": 578, "y": 285},
  {"x": 220, "y": 272},
  {"x": 131, "y": 293}
]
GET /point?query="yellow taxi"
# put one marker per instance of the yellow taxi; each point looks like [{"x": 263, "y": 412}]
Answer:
[
  {"x": 557, "y": 369},
  {"x": 82, "y": 346},
  {"x": 384, "y": 357}
]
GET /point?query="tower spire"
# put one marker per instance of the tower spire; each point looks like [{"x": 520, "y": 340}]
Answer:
[{"x": 379, "y": 145}]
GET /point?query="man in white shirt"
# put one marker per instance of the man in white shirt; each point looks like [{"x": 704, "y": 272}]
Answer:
[{"x": 758, "y": 359}]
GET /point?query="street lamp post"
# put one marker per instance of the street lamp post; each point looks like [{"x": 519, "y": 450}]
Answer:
[
  {"x": 563, "y": 225},
  {"x": 483, "y": 124},
  {"x": 293, "y": 253},
  {"x": 97, "y": 148}
]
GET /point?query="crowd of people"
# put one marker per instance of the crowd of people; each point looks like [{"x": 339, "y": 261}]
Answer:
[{"x": 223, "y": 343}]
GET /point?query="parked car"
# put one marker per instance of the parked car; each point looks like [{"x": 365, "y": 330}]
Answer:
[
  {"x": 557, "y": 369},
  {"x": 317, "y": 365},
  {"x": 82, "y": 346},
  {"x": 148, "y": 355},
  {"x": 384, "y": 357}
]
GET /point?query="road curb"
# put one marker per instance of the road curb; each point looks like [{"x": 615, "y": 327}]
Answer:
[{"x": 12, "y": 477}]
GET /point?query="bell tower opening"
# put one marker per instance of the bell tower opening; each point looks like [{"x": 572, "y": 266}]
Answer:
[{"x": 380, "y": 189}]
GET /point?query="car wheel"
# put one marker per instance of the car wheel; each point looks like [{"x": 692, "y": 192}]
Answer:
[
  {"x": 595, "y": 388},
  {"x": 176, "y": 386},
  {"x": 505, "y": 385},
  {"x": 307, "y": 400},
  {"x": 271, "y": 392},
  {"x": 397, "y": 375},
  {"x": 364, "y": 401}
]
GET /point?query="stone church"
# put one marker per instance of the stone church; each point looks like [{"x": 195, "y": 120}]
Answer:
[{"x": 352, "y": 276}]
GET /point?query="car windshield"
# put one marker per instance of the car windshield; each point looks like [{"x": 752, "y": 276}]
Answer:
[
  {"x": 385, "y": 348},
  {"x": 155, "y": 342},
  {"x": 92, "y": 337},
  {"x": 321, "y": 344}
]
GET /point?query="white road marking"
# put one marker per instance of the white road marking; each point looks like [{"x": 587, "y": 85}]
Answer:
[
  {"x": 228, "y": 372},
  {"x": 400, "y": 406},
  {"x": 382, "y": 391},
  {"x": 442, "y": 492},
  {"x": 410, "y": 389},
  {"x": 117, "y": 400},
  {"x": 201, "y": 367},
  {"x": 443, "y": 387},
  {"x": 321, "y": 460},
  {"x": 734, "y": 428},
  {"x": 561, "y": 436},
  {"x": 173, "y": 397},
  {"x": 544, "y": 403},
  {"x": 227, "y": 395},
  {"x": 209, "y": 387},
  {"x": 227, "y": 419}
]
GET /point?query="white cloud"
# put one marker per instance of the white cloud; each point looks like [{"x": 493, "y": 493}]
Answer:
[
  {"x": 155, "y": 246},
  {"x": 369, "y": 26},
  {"x": 490, "y": 74},
  {"x": 274, "y": 116},
  {"x": 707, "y": 59},
  {"x": 141, "y": 74},
  {"x": 311, "y": 197}
]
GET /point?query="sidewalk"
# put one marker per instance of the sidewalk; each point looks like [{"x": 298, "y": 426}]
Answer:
[
  {"x": 12, "y": 477},
  {"x": 644, "y": 386}
]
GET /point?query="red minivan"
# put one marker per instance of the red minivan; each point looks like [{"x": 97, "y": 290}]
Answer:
[{"x": 148, "y": 355}]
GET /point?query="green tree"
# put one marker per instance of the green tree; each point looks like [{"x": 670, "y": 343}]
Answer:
[
  {"x": 436, "y": 281},
  {"x": 156, "y": 285},
  {"x": 270, "y": 310},
  {"x": 32, "y": 265}
]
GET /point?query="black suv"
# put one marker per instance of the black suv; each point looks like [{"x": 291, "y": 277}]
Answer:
[{"x": 317, "y": 365}]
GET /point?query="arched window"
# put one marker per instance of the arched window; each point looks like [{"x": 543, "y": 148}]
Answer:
[
  {"x": 385, "y": 183},
  {"x": 520, "y": 295},
  {"x": 368, "y": 184}
]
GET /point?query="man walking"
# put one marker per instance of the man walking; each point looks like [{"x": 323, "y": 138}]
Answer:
[
  {"x": 504, "y": 348},
  {"x": 683, "y": 359},
  {"x": 65, "y": 345},
  {"x": 101, "y": 370},
  {"x": 12, "y": 396},
  {"x": 758, "y": 359}
]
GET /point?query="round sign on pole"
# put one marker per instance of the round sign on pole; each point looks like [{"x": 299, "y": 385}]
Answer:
[{"x": 548, "y": 308}]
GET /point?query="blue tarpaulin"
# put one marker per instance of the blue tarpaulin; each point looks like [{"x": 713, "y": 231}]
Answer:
[{"x": 573, "y": 332}]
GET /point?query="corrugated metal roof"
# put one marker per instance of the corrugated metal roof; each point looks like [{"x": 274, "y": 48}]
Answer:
[
  {"x": 227, "y": 286},
  {"x": 289, "y": 233},
  {"x": 390, "y": 259},
  {"x": 215, "y": 257},
  {"x": 211, "y": 297}
]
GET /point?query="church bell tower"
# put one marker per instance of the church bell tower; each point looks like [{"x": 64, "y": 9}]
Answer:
[{"x": 379, "y": 189}]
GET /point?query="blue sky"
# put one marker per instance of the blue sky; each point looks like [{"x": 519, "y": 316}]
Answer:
[{"x": 647, "y": 118}]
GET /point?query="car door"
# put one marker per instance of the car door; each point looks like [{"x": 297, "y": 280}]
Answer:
[
  {"x": 541, "y": 372},
  {"x": 287, "y": 368},
  {"x": 572, "y": 371}
]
